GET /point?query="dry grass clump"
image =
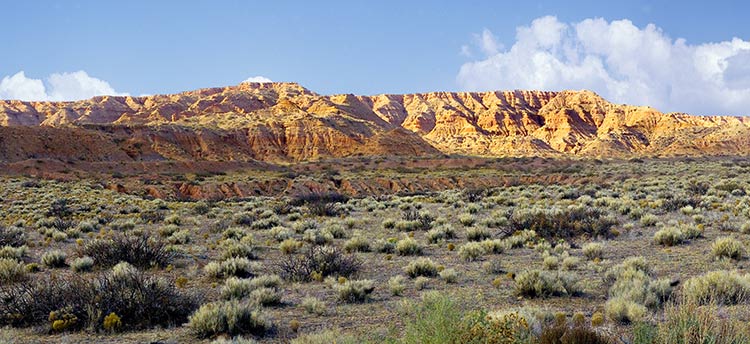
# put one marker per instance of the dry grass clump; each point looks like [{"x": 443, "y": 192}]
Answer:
[
  {"x": 472, "y": 251},
  {"x": 229, "y": 317},
  {"x": 728, "y": 247},
  {"x": 54, "y": 259},
  {"x": 408, "y": 247},
  {"x": 354, "y": 291},
  {"x": 721, "y": 287},
  {"x": 82, "y": 264},
  {"x": 536, "y": 283},
  {"x": 421, "y": 267},
  {"x": 357, "y": 244},
  {"x": 11, "y": 271},
  {"x": 690, "y": 322},
  {"x": 633, "y": 290},
  {"x": 396, "y": 285},
  {"x": 593, "y": 250},
  {"x": 314, "y": 306},
  {"x": 238, "y": 267},
  {"x": 669, "y": 236}
]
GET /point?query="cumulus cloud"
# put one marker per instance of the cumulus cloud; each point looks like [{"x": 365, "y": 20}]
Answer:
[
  {"x": 621, "y": 62},
  {"x": 57, "y": 87},
  {"x": 258, "y": 79}
]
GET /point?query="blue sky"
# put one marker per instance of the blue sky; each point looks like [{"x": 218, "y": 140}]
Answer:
[{"x": 147, "y": 47}]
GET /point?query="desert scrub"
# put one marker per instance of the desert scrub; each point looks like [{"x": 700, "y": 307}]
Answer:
[
  {"x": 408, "y": 247},
  {"x": 721, "y": 287},
  {"x": 440, "y": 233},
  {"x": 232, "y": 248},
  {"x": 471, "y": 251},
  {"x": 239, "y": 288},
  {"x": 265, "y": 296},
  {"x": 449, "y": 275},
  {"x": 14, "y": 252},
  {"x": 421, "y": 282},
  {"x": 550, "y": 262},
  {"x": 593, "y": 250},
  {"x": 396, "y": 285},
  {"x": 536, "y": 283},
  {"x": 327, "y": 337},
  {"x": 142, "y": 251},
  {"x": 12, "y": 236},
  {"x": 318, "y": 236},
  {"x": 54, "y": 259},
  {"x": 82, "y": 264},
  {"x": 421, "y": 267},
  {"x": 354, "y": 291},
  {"x": 228, "y": 317},
  {"x": 139, "y": 299},
  {"x": 570, "y": 263},
  {"x": 634, "y": 290},
  {"x": 313, "y": 306},
  {"x": 357, "y": 244},
  {"x": 649, "y": 220},
  {"x": 11, "y": 271},
  {"x": 495, "y": 246},
  {"x": 238, "y": 267},
  {"x": 669, "y": 236},
  {"x": 709, "y": 324},
  {"x": 323, "y": 261},
  {"x": 477, "y": 234},
  {"x": 384, "y": 246},
  {"x": 467, "y": 220},
  {"x": 289, "y": 246},
  {"x": 727, "y": 247}
]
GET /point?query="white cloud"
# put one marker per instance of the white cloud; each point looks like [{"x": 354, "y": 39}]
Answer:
[
  {"x": 621, "y": 62},
  {"x": 487, "y": 42},
  {"x": 58, "y": 87},
  {"x": 258, "y": 79}
]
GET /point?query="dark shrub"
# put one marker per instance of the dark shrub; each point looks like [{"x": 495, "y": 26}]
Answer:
[
  {"x": 564, "y": 224},
  {"x": 142, "y": 251},
  {"x": 12, "y": 236},
  {"x": 320, "y": 204},
  {"x": 561, "y": 334},
  {"x": 323, "y": 260},
  {"x": 140, "y": 300}
]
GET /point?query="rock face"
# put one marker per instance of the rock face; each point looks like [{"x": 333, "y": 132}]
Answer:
[{"x": 284, "y": 122}]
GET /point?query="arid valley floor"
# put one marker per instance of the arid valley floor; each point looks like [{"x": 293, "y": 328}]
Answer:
[{"x": 451, "y": 250}]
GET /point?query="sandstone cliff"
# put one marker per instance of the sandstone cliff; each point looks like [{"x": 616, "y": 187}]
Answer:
[{"x": 284, "y": 122}]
